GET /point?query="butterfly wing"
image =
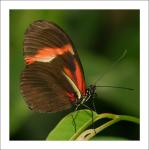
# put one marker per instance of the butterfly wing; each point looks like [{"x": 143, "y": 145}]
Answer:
[{"x": 53, "y": 77}]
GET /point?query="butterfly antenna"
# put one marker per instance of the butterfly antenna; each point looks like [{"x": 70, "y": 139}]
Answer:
[
  {"x": 109, "y": 69},
  {"x": 118, "y": 87}
]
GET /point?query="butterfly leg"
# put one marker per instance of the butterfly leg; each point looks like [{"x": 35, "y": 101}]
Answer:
[
  {"x": 75, "y": 115},
  {"x": 94, "y": 108},
  {"x": 92, "y": 116},
  {"x": 73, "y": 123},
  {"x": 93, "y": 103}
]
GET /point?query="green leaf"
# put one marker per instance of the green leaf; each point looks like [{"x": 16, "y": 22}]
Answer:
[
  {"x": 65, "y": 129},
  {"x": 83, "y": 120}
]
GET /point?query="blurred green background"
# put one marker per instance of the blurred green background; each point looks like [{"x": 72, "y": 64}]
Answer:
[{"x": 100, "y": 36}]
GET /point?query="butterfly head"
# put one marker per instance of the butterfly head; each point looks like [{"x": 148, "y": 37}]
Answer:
[{"x": 91, "y": 90}]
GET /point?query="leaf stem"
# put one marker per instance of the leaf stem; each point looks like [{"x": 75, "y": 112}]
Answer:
[{"x": 88, "y": 134}]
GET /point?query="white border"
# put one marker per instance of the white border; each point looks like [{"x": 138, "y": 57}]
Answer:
[{"x": 5, "y": 6}]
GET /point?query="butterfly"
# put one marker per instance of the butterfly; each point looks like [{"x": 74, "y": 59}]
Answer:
[{"x": 53, "y": 79}]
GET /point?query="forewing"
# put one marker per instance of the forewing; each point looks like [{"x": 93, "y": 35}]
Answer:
[{"x": 44, "y": 41}]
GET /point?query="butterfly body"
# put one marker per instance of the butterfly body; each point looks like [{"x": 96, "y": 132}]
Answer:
[{"x": 53, "y": 78}]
